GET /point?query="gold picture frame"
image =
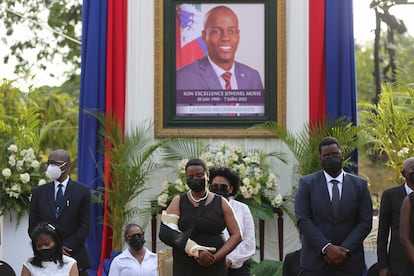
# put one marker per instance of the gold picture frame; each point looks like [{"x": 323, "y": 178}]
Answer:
[{"x": 165, "y": 124}]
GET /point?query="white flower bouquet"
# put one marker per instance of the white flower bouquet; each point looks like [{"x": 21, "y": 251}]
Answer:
[
  {"x": 20, "y": 173},
  {"x": 259, "y": 185}
]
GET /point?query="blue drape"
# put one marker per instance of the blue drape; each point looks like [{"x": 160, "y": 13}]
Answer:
[
  {"x": 92, "y": 97},
  {"x": 341, "y": 98}
]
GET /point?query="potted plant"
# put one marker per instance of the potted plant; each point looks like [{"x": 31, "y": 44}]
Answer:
[{"x": 131, "y": 162}]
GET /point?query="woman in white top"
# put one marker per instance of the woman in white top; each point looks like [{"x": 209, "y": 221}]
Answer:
[
  {"x": 48, "y": 257},
  {"x": 226, "y": 182},
  {"x": 136, "y": 260}
]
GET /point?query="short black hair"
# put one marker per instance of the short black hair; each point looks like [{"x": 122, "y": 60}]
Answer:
[
  {"x": 46, "y": 229},
  {"x": 231, "y": 175},
  {"x": 196, "y": 162},
  {"x": 129, "y": 226},
  {"x": 328, "y": 141}
]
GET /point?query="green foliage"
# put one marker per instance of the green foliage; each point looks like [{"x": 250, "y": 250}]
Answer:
[
  {"x": 60, "y": 19},
  {"x": 266, "y": 267},
  {"x": 18, "y": 118},
  {"x": 404, "y": 45},
  {"x": 304, "y": 145},
  {"x": 131, "y": 162},
  {"x": 388, "y": 127},
  {"x": 44, "y": 118},
  {"x": 364, "y": 69}
]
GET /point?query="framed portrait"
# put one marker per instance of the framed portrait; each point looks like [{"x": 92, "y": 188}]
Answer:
[{"x": 219, "y": 67}]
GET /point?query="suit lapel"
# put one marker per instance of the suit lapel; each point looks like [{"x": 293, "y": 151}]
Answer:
[
  {"x": 402, "y": 192},
  {"x": 240, "y": 76},
  {"x": 50, "y": 198},
  {"x": 67, "y": 196},
  {"x": 348, "y": 191},
  {"x": 324, "y": 193},
  {"x": 209, "y": 75}
]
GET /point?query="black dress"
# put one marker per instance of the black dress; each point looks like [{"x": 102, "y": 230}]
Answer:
[
  {"x": 409, "y": 268},
  {"x": 207, "y": 232}
]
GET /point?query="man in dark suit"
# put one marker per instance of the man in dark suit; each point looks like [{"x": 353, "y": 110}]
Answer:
[
  {"x": 334, "y": 213},
  {"x": 391, "y": 256},
  {"x": 221, "y": 35},
  {"x": 66, "y": 204}
]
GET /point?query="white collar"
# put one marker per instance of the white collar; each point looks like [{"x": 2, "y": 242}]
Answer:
[
  {"x": 64, "y": 182},
  {"x": 339, "y": 178}
]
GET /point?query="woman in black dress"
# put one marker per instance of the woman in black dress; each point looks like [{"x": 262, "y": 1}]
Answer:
[{"x": 207, "y": 234}]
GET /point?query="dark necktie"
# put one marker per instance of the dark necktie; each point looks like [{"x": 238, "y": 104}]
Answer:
[
  {"x": 335, "y": 196},
  {"x": 59, "y": 199},
  {"x": 226, "y": 77}
]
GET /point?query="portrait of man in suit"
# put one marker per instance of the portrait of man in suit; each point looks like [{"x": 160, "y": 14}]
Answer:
[
  {"x": 218, "y": 70},
  {"x": 66, "y": 204},
  {"x": 390, "y": 253},
  {"x": 333, "y": 211}
]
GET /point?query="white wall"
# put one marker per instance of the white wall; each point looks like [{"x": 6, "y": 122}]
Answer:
[{"x": 140, "y": 98}]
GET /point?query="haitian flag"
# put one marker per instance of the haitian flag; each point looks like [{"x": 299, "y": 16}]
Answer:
[
  {"x": 103, "y": 71},
  {"x": 189, "y": 26},
  {"x": 332, "y": 84},
  {"x": 332, "y": 79}
]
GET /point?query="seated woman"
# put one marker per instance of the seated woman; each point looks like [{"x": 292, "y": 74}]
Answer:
[
  {"x": 48, "y": 257},
  {"x": 135, "y": 260},
  {"x": 193, "y": 224}
]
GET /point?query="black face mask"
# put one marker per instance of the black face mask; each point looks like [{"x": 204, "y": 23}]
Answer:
[
  {"x": 220, "y": 189},
  {"x": 332, "y": 165},
  {"x": 136, "y": 242},
  {"x": 411, "y": 177},
  {"x": 196, "y": 184},
  {"x": 47, "y": 253}
]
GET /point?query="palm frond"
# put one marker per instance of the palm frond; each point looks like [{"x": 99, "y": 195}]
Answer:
[{"x": 304, "y": 145}]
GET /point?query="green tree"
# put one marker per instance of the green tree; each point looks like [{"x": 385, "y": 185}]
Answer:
[
  {"x": 389, "y": 127},
  {"x": 45, "y": 118},
  {"x": 61, "y": 18},
  {"x": 404, "y": 45},
  {"x": 365, "y": 72}
]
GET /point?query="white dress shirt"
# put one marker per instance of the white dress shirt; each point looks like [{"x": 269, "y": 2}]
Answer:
[
  {"x": 219, "y": 71},
  {"x": 339, "y": 178},
  {"x": 126, "y": 265},
  {"x": 246, "y": 249}
]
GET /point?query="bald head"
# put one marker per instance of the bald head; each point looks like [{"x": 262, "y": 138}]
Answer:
[
  {"x": 60, "y": 155},
  {"x": 221, "y": 35},
  {"x": 219, "y": 11},
  {"x": 408, "y": 171},
  {"x": 408, "y": 163}
]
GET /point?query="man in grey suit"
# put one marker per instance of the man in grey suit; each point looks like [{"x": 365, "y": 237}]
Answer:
[
  {"x": 334, "y": 213},
  {"x": 391, "y": 256},
  {"x": 66, "y": 204},
  {"x": 218, "y": 69}
]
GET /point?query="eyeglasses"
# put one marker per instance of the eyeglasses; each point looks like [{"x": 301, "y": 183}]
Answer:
[
  {"x": 55, "y": 162},
  {"x": 218, "y": 187}
]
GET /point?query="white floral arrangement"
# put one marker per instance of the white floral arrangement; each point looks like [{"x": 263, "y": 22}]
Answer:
[
  {"x": 20, "y": 173},
  {"x": 259, "y": 185}
]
